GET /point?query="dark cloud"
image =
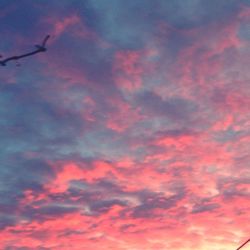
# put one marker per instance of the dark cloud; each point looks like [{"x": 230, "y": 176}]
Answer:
[
  {"x": 57, "y": 209},
  {"x": 25, "y": 248},
  {"x": 43, "y": 211},
  {"x": 204, "y": 207},
  {"x": 244, "y": 31},
  {"x": 20, "y": 174},
  {"x": 22, "y": 19},
  {"x": 175, "y": 133},
  {"x": 176, "y": 108},
  {"x": 247, "y": 2},
  {"x": 231, "y": 188},
  {"x": 7, "y": 220},
  {"x": 131, "y": 24},
  {"x": 121, "y": 23},
  {"x": 192, "y": 13},
  {"x": 105, "y": 205},
  {"x": 31, "y": 122},
  {"x": 151, "y": 201}
]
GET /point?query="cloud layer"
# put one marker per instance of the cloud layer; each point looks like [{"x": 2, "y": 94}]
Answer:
[{"x": 131, "y": 132}]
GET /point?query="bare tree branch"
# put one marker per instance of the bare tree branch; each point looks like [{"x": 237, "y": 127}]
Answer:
[
  {"x": 40, "y": 48},
  {"x": 243, "y": 244}
]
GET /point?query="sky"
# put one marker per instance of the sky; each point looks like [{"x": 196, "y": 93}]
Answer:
[{"x": 132, "y": 131}]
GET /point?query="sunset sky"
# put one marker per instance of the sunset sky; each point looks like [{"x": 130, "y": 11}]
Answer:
[{"x": 132, "y": 131}]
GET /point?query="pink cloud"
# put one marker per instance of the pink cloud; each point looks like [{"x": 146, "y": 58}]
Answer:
[
  {"x": 123, "y": 116},
  {"x": 130, "y": 66},
  {"x": 71, "y": 24}
]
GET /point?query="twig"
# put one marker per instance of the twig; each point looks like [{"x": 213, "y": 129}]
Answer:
[
  {"x": 243, "y": 244},
  {"x": 40, "y": 48}
]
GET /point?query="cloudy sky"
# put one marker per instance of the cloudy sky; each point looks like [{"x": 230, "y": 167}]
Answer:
[{"x": 132, "y": 131}]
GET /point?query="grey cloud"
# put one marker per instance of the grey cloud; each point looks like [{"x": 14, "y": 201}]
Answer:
[
  {"x": 175, "y": 108},
  {"x": 16, "y": 176},
  {"x": 200, "y": 208},
  {"x": 105, "y": 205},
  {"x": 130, "y": 24},
  {"x": 7, "y": 220},
  {"x": 151, "y": 201}
]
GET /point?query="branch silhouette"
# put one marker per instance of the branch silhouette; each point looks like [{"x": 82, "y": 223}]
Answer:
[
  {"x": 243, "y": 244},
  {"x": 40, "y": 48}
]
